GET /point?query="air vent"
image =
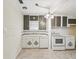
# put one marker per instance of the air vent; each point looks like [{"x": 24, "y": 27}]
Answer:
[{"x": 21, "y": 2}]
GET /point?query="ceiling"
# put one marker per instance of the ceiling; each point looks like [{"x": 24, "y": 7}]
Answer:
[{"x": 64, "y": 7}]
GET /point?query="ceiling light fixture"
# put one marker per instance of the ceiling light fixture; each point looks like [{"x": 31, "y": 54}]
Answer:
[
  {"x": 20, "y": 1},
  {"x": 24, "y": 7}
]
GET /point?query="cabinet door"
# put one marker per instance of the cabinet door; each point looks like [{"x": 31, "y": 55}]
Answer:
[
  {"x": 64, "y": 21},
  {"x": 70, "y": 43},
  {"x": 26, "y": 22},
  {"x": 26, "y": 42},
  {"x": 35, "y": 42},
  {"x": 44, "y": 42},
  {"x": 33, "y": 18},
  {"x": 58, "y": 20},
  {"x": 42, "y": 23},
  {"x": 71, "y": 21},
  {"x": 52, "y": 23}
]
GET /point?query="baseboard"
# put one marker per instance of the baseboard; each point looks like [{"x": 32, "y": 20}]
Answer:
[{"x": 18, "y": 52}]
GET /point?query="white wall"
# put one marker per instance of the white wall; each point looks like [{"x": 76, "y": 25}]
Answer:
[{"x": 12, "y": 29}]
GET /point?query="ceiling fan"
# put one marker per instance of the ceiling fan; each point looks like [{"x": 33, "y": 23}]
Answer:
[{"x": 49, "y": 14}]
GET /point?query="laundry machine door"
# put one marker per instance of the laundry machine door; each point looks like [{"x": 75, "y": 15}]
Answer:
[
  {"x": 26, "y": 41},
  {"x": 29, "y": 43},
  {"x": 35, "y": 42},
  {"x": 70, "y": 42}
]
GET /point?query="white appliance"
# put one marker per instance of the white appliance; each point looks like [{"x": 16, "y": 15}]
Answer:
[
  {"x": 30, "y": 41},
  {"x": 70, "y": 42},
  {"x": 58, "y": 42},
  {"x": 36, "y": 40}
]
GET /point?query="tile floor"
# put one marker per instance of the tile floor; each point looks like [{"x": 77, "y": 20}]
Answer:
[{"x": 46, "y": 54}]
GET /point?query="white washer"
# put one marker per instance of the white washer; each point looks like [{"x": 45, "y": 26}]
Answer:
[
  {"x": 70, "y": 42},
  {"x": 58, "y": 42}
]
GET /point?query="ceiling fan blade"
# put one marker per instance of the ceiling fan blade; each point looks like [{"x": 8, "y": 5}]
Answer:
[
  {"x": 36, "y": 4},
  {"x": 41, "y": 6}
]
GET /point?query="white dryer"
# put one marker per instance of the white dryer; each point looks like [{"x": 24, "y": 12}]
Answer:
[{"x": 70, "y": 42}]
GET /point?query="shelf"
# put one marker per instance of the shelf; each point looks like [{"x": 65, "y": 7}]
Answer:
[
  {"x": 72, "y": 24},
  {"x": 69, "y": 25}
]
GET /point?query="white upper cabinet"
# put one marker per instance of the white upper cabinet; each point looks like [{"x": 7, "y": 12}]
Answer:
[
  {"x": 42, "y": 23},
  {"x": 64, "y": 21},
  {"x": 59, "y": 21},
  {"x": 72, "y": 21},
  {"x": 26, "y": 22},
  {"x": 34, "y": 22}
]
